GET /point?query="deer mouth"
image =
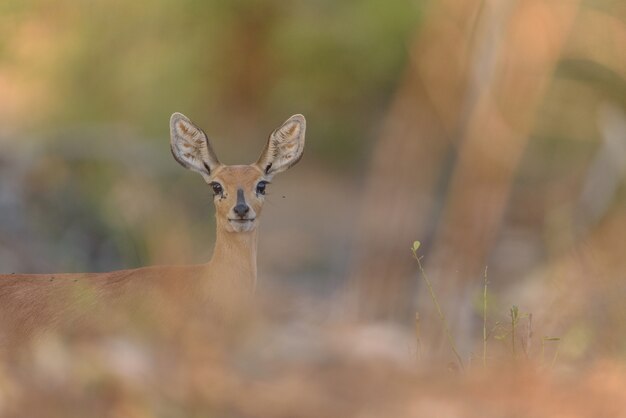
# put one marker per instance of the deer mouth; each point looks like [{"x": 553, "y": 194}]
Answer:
[{"x": 241, "y": 221}]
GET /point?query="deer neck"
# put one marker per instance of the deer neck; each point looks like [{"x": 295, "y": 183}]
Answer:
[{"x": 234, "y": 258}]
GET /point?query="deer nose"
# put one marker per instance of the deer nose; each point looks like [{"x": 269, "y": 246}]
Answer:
[{"x": 241, "y": 209}]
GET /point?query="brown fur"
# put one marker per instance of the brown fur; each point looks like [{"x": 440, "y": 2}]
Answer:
[{"x": 35, "y": 302}]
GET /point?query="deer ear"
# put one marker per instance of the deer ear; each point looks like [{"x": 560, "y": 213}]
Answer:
[
  {"x": 284, "y": 147},
  {"x": 191, "y": 147}
]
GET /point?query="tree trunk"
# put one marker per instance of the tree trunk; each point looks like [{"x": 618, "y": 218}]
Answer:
[{"x": 457, "y": 128}]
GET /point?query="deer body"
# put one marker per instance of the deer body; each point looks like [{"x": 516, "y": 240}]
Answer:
[{"x": 32, "y": 302}]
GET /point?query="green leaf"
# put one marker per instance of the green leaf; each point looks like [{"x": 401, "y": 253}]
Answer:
[{"x": 416, "y": 245}]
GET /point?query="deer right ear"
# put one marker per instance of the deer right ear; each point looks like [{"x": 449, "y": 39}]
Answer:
[
  {"x": 191, "y": 147},
  {"x": 284, "y": 147}
]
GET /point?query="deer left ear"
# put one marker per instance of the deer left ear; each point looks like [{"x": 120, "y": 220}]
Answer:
[
  {"x": 191, "y": 147},
  {"x": 284, "y": 147}
]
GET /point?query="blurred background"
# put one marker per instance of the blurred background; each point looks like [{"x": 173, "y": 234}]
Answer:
[{"x": 494, "y": 132}]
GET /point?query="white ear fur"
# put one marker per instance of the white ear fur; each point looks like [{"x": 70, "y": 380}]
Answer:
[
  {"x": 284, "y": 147},
  {"x": 190, "y": 146}
]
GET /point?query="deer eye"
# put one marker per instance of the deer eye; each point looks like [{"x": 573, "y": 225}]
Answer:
[
  {"x": 217, "y": 188},
  {"x": 260, "y": 188}
]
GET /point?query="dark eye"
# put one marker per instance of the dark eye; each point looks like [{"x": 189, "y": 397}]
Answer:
[
  {"x": 260, "y": 188},
  {"x": 217, "y": 188}
]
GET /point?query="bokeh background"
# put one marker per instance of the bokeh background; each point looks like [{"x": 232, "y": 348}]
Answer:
[
  {"x": 494, "y": 132},
  {"x": 87, "y": 91}
]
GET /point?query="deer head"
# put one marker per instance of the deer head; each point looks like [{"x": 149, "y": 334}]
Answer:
[{"x": 238, "y": 190}]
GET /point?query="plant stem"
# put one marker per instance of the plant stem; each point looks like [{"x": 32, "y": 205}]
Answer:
[
  {"x": 418, "y": 348},
  {"x": 513, "y": 335},
  {"x": 514, "y": 320},
  {"x": 485, "y": 321},
  {"x": 556, "y": 355},
  {"x": 442, "y": 317},
  {"x": 529, "y": 336}
]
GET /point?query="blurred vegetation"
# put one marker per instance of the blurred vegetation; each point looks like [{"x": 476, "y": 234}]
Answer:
[
  {"x": 85, "y": 82},
  {"x": 240, "y": 62}
]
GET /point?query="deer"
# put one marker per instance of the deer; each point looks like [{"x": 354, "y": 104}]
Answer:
[{"x": 30, "y": 303}]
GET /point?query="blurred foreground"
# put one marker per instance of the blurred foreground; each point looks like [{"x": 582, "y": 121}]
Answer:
[{"x": 286, "y": 363}]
